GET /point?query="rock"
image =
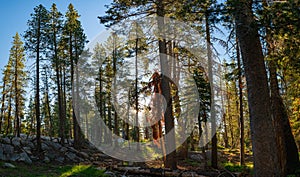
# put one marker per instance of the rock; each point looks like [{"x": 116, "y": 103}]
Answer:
[
  {"x": 83, "y": 155},
  {"x": 27, "y": 143},
  {"x": 31, "y": 145},
  {"x": 60, "y": 159},
  {"x": 63, "y": 149},
  {"x": 21, "y": 149},
  {"x": 71, "y": 156},
  {"x": 45, "y": 147},
  {"x": 27, "y": 150},
  {"x": 73, "y": 150},
  {"x": 197, "y": 157},
  {"x": 46, "y": 160},
  {"x": 8, "y": 165},
  {"x": 24, "y": 158},
  {"x": 8, "y": 149},
  {"x": 2, "y": 157},
  {"x": 14, "y": 157},
  {"x": 34, "y": 158},
  {"x": 16, "y": 141},
  {"x": 6, "y": 140},
  {"x": 56, "y": 140},
  {"x": 23, "y": 136},
  {"x": 51, "y": 155},
  {"x": 189, "y": 174},
  {"x": 55, "y": 146},
  {"x": 71, "y": 141},
  {"x": 45, "y": 138}
]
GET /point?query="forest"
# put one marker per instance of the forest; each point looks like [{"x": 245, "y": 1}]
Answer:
[{"x": 170, "y": 88}]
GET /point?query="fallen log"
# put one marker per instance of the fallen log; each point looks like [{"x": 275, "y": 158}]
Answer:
[{"x": 155, "y": 172}]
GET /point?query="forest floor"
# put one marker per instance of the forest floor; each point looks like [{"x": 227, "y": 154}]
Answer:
[{"x": 228, "y": 166}]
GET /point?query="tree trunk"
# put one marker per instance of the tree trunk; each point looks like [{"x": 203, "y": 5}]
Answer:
[
  {"x": 229, "y": 115},
  {"x": 64, "y": 101},
  {"x": 59, "y": 93},
  {"x": 114, "y": 55},
  {"x": 78, "y": 139},
  {"x": 241, "y": 106},
  {"x": 74, "y": 121},
  {"x": 137, "y": 132},
  {"x": 224, "y": 118},
  {"x": 277, "y": 117},
  {"x": 289, "y": 151},
  {"x": 225, "y": 132},
  {"x": 9, "y": 113},
  {"x": 262, "y": 130},
  {"x": 3, "y": 102},
  {"x": 48, "y": 109},
  {"x": 101, "y": 108},
  {"x": 109, "y": 119},
  {"x": 289, "y": 157},
  {"x": 214, "y": 152},
  {"x": 170, "y": 161},
  {"x": 127, "y": 118},
  {"x": 17, "y": 118},
  {"x": 37, "y": 90}
]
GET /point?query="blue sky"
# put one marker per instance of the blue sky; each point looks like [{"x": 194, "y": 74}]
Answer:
[{"x": 14, "y": 15}]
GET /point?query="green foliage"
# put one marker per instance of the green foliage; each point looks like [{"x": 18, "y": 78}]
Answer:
[
  {"x": 36, "y": 34},
  {"x": 192, "y": 162},
  {"x": 81, "y": 170},
  {"x": 236, "y": 168},
  {"x": 13, "y": 89},
  {"x": 204, "y": 92},
  {"x": 52, "y": 171}
]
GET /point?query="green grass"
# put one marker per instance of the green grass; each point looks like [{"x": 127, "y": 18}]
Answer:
[
  {"x": 49, "y": 170},
  {"x": 237, "y": 168},
  {"x": 80, "y": 170},
  {"x": 192, "y": 163}
]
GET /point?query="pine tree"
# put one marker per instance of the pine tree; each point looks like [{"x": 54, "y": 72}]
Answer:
[
  {"x": 5, "y": 82},
  {"x": 287, "y": 149},
  {"x": 76, "y": 38},
  {"x": 98, "y": 58},
  {"x": 17, "y": 57},
  {"x": 36, "y": 37},
  {"x": 117, "y": 12},
  {"x": 263, "y": 135},
  {"x": 136, "y": 46},
  {"x": 46, "y": 112},
  {"x": 55, "y": 35},
  {"x": 7, "y": 97},
  {"x": 30, "y": 118}
]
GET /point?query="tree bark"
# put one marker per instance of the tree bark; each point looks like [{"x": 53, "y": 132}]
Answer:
[
  {"x": 59, "y": 92},
  {"x": 9, "y": 113},
  {"x": 289, "y": 157},
  {"x": 241, "y": 107},
  {"x": 289, "y": 151},
  {"x": 3, "y": 102},
  {"x": 137, "y": 132},
  {"x": 101, "y": 107},
  {"x": 17, "y": 123},
  {"x": 37, "y": 90},
  {"x": 78, "y": 139},
  {"x": 262, "y": 130},
  {"x": 170, "y": 161},
  {"x": 214, "y": 152}
]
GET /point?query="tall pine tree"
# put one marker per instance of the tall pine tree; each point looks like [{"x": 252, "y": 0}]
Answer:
[
  {"x": 35, "y": 44},
  {"x": 73, "y": 33},
  {"x": 17, "y": 57}
]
